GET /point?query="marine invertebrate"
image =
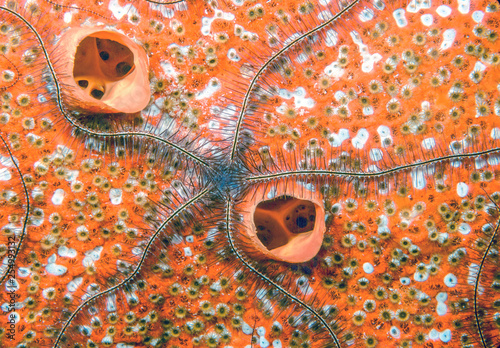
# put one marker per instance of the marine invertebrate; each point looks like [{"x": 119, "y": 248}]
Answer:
[{"x": 133, "y": 228}]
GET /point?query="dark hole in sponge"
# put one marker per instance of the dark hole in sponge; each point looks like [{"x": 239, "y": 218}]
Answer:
[
  {"x": 83, "y": 83},
  {"x": 97, "y": 93},
  {"x": 122, "y": 68},
  {"x": 301, "y": 222},
  {"x": 104, "y": 55}
]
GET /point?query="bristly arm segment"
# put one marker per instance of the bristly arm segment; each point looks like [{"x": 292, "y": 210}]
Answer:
[
  {"x": 141, "y": 261},
  {"x": 478, "y": 277},
  {"x": 265, "y": 66},
  {"x": 28, "y": 207}
]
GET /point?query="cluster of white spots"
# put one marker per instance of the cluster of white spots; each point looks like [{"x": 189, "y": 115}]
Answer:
[
  {"x": 58, "y": 197},
  {"x": 361, "y": 138},
  {"x": 395, "y": 332},
  {"x": 53, "y": 268},
  {"x": 120, "y": 11},
  {"x": 188, "y": 251},
  {"x": 154, "y": 108},
  {"x": 91, "y": 256},
  {"x": 7, "y": 75},
  {"x": 493, "y": 159},
  {"x": 64, "y": 251},
  {"x": 495, "y": 132},
  {"x": 462, "y": 189},
  {"x": 336, "y": 139},
  {"x": 478, "y": 16},
  {"x": 376, "y": 154},
  {"x": 366, "y": 15},
  {"x": 212, "y": 125},
  {"x": 497, "y": 109},
  {"x": 444, "y": 11},
  {"x": 448, "y": 38},
  {"x": 228, "y": 111},
  {"x": 12, "y": 285},
  {"x": 261, "y": 332},
  {"x": 417, "y": 5},
  {"x": 168, "y": 69},
  {"x": 7, "y": 161},
  {"x": 303, "y": 285},
  {"x": 427, "y": 19},
  {"x": 299, "y": 96},
  {"x": 115, "y": 196},
  {"x": 368, "y": 268},
  {"x": 23, "y": 272},
  {"x": 207, "y": 21},
  {"x": 137, "y": 251},
  {"x": 272, "y": 192},
  {"x": 479, "y": 66},
  {"x": 68, "y": 16},
  {"x": 232, "y": 55},
  {"x": 422, "y": 276},
  {"x": 464, "y": 228},
  {"x": 6, "y": 306},
  {"x": 479, "y": 162},
  {"x": 428, "y": 143},
  {"x": 5, "y": 174},
  {"x": 340, "y": 95},
  {"x": 212, "y": 87},
  {"x": 334, "y": 70},
  {"x": 74, "y": 284},
  {"x": 307, "y": 185},
  {"x": 247, "y": 329},
  {"x": 400, "y": 17},
  {"x": 332, "y": 37},
  {"x": 368, "y": 110},
  {"x": 405, "y": 280},
  {"x": 368, "y": 59},
  {"x": 444, "y": 336},
  {"x": 261, "y": 335},
  {"x": 382, "y": 226},
  {"x": 441, "y": 308},
  {"x": 385, "y": 134},
  {"x": 463, "y": 6},
  {"x": 450, "y": 280},
  {"x": 123, "y": 266},
  {"x": 418, "y": 178}
]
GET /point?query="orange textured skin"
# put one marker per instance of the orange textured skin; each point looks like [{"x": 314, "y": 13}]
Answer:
[{"x": 131, "y": 229}]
